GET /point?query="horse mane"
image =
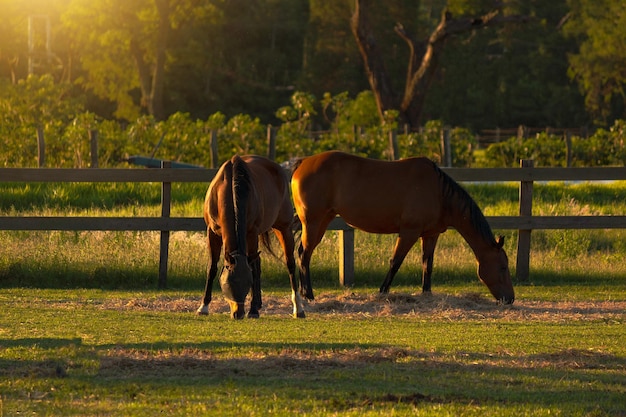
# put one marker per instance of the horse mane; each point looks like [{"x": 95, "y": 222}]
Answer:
[
  {"x": 296, "y": 163},
  {"x": 453, "y": 193},
  {"x": 241, "y": 187}
]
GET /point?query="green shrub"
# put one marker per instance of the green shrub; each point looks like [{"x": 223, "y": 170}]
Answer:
[{"x": 354, "y": 126}]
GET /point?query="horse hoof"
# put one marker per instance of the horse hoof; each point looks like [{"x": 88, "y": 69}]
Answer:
[
  {"x": 299, "y": 315},
  {"x": 203, "y": 311},
  {"x": 252, "y": 315}
]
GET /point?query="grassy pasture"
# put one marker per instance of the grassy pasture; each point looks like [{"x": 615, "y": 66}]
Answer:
[{"x": 83, "y": 330}]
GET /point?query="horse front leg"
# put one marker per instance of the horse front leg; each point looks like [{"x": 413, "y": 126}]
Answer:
[
  {"x": 214, "y": 242},
  {"x": 428, "y": 251},
  {"x": 404, "y": 243},
  {"x": 256, "y": 303}
]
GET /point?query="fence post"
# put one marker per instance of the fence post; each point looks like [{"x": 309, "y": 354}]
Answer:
[
  {"x": 41, "y": 147},
  {"x": 93, "y": 141},
  {"x": 446, "y": 151},
  {"x": 568, "y": 148},
  {"x": 393, "y": 145},
  {"x": 346, "y": 257},
  {"x": 166, "y": 200},
  {"x": 523, "y": 237},
  {"x": 271, "y": 142},
  {"x": 215, "y": 161}
]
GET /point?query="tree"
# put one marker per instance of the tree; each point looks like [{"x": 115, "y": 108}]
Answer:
[
  {"x": 599, "y": 67},
  {"x": 29, "y": 41},
  {"x": 509, "y": 75},
  {"x": 331, "y": 61},
  {"x": 424, "y": 57},
  {"x": 122, "y": 47},
  {"x": 10, "y": 43}
]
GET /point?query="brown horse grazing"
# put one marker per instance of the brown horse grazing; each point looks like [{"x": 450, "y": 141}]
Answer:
[
  {"x": 248, "y": 197},
  {"x": 411, "y": 197}
]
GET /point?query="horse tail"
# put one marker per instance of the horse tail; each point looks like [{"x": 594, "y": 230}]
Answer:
[
  {"x": 266, "y": 241},
  {"x": 241, "y": 193},
  {"x": 296, "y": 228},
  {"x": 296, "y": 225}
]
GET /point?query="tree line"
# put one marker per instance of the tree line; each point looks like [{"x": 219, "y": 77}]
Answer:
[{"x": 465, "y": 63}]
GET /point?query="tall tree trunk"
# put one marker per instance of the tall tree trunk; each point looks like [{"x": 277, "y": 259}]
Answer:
[
  {"x": 423, "y": 62},
  {"x": 373, "y": 60},
  {"x": 151, "y": 78},
  {"x": 143, "y": 70},
  {"x": 158, "y": 76}
]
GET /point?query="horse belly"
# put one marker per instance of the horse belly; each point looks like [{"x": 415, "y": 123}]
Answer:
[
  {"x": 372, "y": 215},
  {"x": 388, "y": 212}
]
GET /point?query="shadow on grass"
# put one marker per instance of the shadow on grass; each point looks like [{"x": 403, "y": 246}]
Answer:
[
  {"x": 341, "y": 376},
  {"x": 31, "y": 275},
  {"x": 20, "y": 274}
]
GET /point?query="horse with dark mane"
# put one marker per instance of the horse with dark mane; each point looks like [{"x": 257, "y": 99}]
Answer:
[
  {"x": 412, "y": 197},
  {"x": 248, "y": 198}
]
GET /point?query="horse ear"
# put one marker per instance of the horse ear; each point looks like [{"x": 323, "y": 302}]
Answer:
[{"x": 500, "y": 242}]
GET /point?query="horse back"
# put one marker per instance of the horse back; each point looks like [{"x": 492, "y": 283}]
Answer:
[
  {"x": 268, "y": 202},
  {"x": 372, "y": 195}
]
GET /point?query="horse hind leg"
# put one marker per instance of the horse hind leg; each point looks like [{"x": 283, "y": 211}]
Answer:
[
  {"x": 256, "y": 302},
  {"x": 304, "y": 269},
  {"x": 214, "y": 243},
  {"x": 304, "y": 257},
  {"x": 312, "y": 233},
  {"x": 404, "y": 243}
]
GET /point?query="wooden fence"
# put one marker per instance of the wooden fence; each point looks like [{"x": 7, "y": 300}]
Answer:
[
  {"x": 525, "y": 222},
  {"x": 489, "y": 136},
  {"x": 485, "y": 138}
]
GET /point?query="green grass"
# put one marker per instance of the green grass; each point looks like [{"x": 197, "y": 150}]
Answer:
[
  {"x": 84, "y": 352},
  {"x": 84, "y": 331}
]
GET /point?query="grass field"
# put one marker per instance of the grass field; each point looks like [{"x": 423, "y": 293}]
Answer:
[{"x": 84, "y": 332}]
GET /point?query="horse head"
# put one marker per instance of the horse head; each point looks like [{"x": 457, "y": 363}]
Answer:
[
  {"x": 493, "y": 270},
  {"x": 236, "y": 281}
]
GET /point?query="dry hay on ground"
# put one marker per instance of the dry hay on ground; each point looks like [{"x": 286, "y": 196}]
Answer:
[
  {"x": 204, "y": 361},
  {"x": 469, "y": 306}
]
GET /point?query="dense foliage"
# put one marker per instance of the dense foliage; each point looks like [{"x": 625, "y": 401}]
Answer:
[
  {"x": 156, "y": 77},
  {"x": 39, "y": 103},
  {"x": 559, "y": 68}
]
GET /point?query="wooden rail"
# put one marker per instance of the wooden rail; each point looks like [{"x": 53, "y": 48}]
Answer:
[{"x": 524, "y": 223}]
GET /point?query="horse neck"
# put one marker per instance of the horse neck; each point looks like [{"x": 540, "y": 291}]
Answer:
[{"x": 480, "y": 241}]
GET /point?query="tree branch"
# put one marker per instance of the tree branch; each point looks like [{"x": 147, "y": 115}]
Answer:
[
  {"x": 423, "y": 58},
  {"x": 419, "y": 80},
  {"x": 373, "y": 59}
]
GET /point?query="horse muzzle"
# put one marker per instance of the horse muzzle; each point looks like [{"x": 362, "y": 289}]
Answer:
[
  {"x": 506, "y": 297},
  {"x": 505, "y": 300},
  {"x": 236, "y": 281}
]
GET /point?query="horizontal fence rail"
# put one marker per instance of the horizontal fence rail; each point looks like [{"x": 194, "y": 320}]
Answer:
[{"x": 524, "y": 223}]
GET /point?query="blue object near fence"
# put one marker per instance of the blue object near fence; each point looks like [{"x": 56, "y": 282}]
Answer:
[{"x": 156, "y": 163}]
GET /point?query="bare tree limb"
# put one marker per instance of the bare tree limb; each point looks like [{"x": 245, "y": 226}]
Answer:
[
  {"x": 423, "y": 58},
  {"x": 373, "y": 60}
]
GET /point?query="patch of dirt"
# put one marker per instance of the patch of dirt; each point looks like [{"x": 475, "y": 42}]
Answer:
[{"x": 470, "y": 306}]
